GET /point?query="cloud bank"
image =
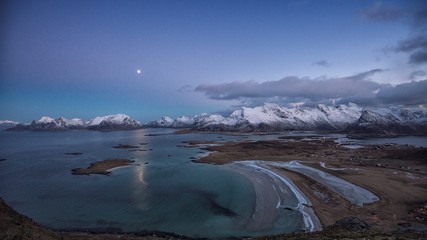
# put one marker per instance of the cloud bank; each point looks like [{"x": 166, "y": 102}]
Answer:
[
  {"x": 290, "y": 90},
  {"x": 412, "y": 93},
  {"x": 416, "y": 44}
]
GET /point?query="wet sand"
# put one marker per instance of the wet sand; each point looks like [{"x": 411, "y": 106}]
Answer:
[
  {"x": 273, "y": 192},
  {"x": 397, "y": 174}
]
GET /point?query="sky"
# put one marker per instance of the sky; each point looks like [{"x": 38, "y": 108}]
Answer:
[{"x": 81, "y": 58}]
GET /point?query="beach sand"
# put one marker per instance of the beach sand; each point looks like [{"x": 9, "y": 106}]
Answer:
[
  {"x": 273, "y": 194},
  {"x": 397, "y": 174}
]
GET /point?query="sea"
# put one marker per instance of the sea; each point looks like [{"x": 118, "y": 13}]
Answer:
[{"x": 164, "y": 191}]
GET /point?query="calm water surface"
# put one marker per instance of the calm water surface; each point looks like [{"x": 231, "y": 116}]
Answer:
[{"x": 164, "y": 192}]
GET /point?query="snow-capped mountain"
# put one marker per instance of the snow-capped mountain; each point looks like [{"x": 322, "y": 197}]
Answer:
[
  {"x": 113, "y": 122},
  {"x": 165, "y": 121},
  {"x": 4, "y": 124},
  {"x": 272, "y": 117},
  {"x": 269, "y": 117},
  {"x": 391, "y": 120},
  {"x": 110, "y": 122}
]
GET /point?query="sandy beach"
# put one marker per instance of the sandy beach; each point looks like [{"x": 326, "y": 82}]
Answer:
[
  {"x": 394, "y": 175},
  {"x": 272, "y": 194}
]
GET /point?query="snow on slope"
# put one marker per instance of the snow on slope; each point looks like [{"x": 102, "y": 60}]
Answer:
[
  {"x": 9, "y": 122},
  {"x": 272, "y": 117},
  {"x": 183, "y": 121},
  {"x": 300, "y": 118},
  {"x": 4, "y": 124},
  {"x": 391, "y": 120},
  {"x": 110, "y": 122},
  {"x": 113, "y": 119},
  {"x": 45, "y": 119},
  {"x": 165, "y": 121}
]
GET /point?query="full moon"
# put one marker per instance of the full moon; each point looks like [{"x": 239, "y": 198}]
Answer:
[{"x": 138, "y": 71}]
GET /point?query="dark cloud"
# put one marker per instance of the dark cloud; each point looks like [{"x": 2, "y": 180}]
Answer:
[
  {"x": 404, "y": 94},
  {"x": 365, "y": 75},
  {"x": 415, "y": 74},
  {"x": 411, "y": 44},
  {"x": 418, "y": 57},
  {"x": 322, "y": 63},
  {"x": 296, "y": 89},
  {"x": 290, "y": 90},
  {"x": 416, "y": 44},
  {"x": 420, "y": 18},
  {"x": 380, "y": 12}
]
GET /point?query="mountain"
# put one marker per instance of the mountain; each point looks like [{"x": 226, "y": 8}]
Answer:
[
  {"x": 165, "y": 121},
  {"x": 269, "y": 117},
  {"x": 272, "y": 117},
  {"x": 391, "y": 121},
  {"x": 110, "y": 122},
  {"x": 5, "y": 124},
  {"x": 113, "y": 122},
  {"x": 349, "y": 118}
]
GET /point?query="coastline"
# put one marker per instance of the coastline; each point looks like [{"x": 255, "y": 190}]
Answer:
[
  {"x": 395, "y": 174},
  {"x": 269, "y": 200},
  {"x": 407, "y": 180}
]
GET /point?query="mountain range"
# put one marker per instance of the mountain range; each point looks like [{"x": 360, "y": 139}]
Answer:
[
  {"x": 348, "y": 118},
  {"x": 105, "y": 123}
]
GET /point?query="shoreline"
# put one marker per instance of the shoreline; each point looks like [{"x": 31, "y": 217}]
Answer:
[
  {"x": 269, "y": 200},
  {"x": 395, "y": 175},
  {"x": 382, "y": 173}
]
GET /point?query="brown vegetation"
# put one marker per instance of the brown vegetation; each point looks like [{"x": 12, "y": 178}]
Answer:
[{"x": 102, "y": 167}]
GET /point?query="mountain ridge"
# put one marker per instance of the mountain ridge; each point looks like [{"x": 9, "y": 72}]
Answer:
[
  {"x": 349, "y": 118},
  {"x": 104, "y": 123},
  {"x": 346, "y": 118}
]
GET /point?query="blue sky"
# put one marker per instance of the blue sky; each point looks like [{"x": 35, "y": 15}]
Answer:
[{"x": 80, "y": 58}]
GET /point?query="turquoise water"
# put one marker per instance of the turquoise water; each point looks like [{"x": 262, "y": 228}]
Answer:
[{"x": 165, "y": 192}]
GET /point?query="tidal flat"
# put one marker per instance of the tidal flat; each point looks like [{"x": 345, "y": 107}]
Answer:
[{"x": 395, "y": 176}]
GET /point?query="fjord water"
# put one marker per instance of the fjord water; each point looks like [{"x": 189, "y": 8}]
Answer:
[{"x": 164, "y": 192}]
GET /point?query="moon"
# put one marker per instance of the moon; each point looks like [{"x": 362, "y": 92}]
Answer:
[{"x": 138, "y": 71}]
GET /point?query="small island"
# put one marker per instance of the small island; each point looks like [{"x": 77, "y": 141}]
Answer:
[
  {"x": 102, "y": 167},
  {"x": 125, "y": 146}
]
